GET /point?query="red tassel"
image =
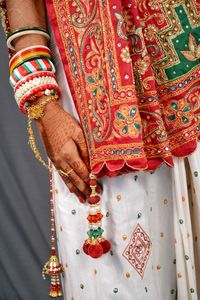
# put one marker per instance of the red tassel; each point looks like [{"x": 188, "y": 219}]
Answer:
[
  {"x": 85, "y": 247},
  {"x": 96, "y": 245},
  {"x": 95, "y": 250},
  {"x": 53, "y": 268},
  {"x": 106, "y": 246}
]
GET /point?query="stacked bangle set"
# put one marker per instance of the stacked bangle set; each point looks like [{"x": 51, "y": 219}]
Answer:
[{"x": 32, "y": 73}]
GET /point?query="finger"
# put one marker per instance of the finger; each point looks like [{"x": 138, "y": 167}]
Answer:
[
  {"x": 80, "y": 168},
  {"x": 82, "y": 147},
  {"x": 77, "y": 181},
  {"x": 73, "y": 189}
]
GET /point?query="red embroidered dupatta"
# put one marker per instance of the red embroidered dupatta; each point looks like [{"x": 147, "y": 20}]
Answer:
[{"x": 133, "y": 72}]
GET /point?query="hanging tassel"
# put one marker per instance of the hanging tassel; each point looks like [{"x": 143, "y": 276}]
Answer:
[
  {"x": 96, "y": 245},
  {"x": 53, "y": 267}
]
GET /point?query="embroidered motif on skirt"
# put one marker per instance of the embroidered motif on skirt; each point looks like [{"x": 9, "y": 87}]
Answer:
[{"x": 138, "y": 250}]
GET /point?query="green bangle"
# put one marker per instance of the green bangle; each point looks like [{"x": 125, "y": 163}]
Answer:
[{"x": 25, "y": 29}]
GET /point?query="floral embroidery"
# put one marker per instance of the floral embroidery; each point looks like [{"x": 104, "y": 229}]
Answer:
[
  {"x": 180, "y": 113},
  {"x": 125, "y": 55},
  {"x": 95, "y": 84},
  {"x": 127, "y": 121},
  {"x": 138, "y": 250}
]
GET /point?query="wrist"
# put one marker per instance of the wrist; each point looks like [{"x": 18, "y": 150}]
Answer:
[{"x": 49, "y": 110}]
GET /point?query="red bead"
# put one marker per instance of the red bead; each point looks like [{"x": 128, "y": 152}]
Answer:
[
  {"x": 93, "y": 199},
  {"x": 85, "y": 248},
  {"x": 53, "y": 252},
  {"x": 93, "y": 182},
  {"x": 95, "y": 218},
  {"x": 95, "y": 251},
  {"x": 106, "y": 246}
]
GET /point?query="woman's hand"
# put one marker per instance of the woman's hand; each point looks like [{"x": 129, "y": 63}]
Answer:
[{"x": 66, "y": 147}]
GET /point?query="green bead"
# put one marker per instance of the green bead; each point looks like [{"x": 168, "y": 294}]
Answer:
[
  {"x": 181, "y": 221},
  {"x": 111, "y": 253},
  {"x": 135, "y": 177},
  {"x": 146, "y": 289},
  {"x": 139, "y": 215},
  {"x": 107, "y": 214},
  {"x": 172, "y": 292},
  {"x": 195, "y": 174},
  {"x": 174, "y": 261},
  {"x": 81, "y": 286},
  {"x": 73, "y": 211},
  {"x": 191, "y": 290},
  {"x": 78, "y": 251},
  {"x": 186, "y": 257},
  {"x": 95, "y": 233},
  {"x": 115, "y": 290}
]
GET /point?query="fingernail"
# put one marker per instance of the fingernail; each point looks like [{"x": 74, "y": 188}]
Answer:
[{"x": 82, "y": 200}]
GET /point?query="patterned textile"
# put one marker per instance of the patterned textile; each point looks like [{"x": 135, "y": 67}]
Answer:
[
  {"x": 132, "y": 68},
  {"x": 148, "y": 210}
]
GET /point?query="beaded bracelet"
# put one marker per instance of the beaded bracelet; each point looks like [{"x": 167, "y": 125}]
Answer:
[
  {"x": 33, "y": 79},
  {"x": 31, "y": 67},
  {"x": 24, "y": 101},
  {"x": 18, "y": 34},
  {"x": 32, "y": 84}
]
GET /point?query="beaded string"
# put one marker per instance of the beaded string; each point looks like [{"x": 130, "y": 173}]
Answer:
[
  {"x": 53, "y": 267},
  {"x": 96, "y": 245}
]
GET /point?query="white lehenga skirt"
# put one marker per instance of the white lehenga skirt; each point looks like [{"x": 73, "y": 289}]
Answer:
[{"x": 147, "y": 218}]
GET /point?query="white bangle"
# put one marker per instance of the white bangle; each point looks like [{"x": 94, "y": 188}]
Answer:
[
  {"x": 32, "y": 84},
  {"x": 22, "y": 33}
]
